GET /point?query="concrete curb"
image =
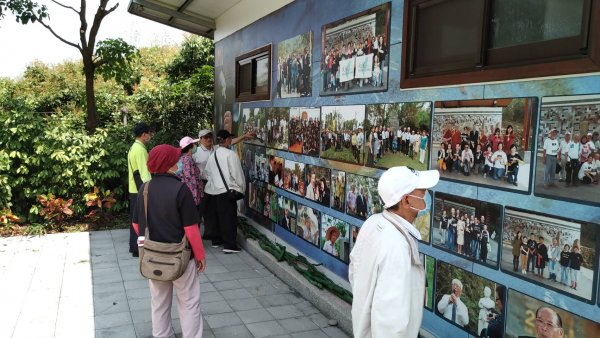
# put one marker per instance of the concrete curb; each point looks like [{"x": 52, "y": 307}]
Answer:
[{"x": 328, "y": 303}]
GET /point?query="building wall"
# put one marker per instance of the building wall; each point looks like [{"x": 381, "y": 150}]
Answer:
[{"x": 304, "y": 15}]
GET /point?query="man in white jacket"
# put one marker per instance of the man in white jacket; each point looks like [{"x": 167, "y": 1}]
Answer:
[{"x": 386, "y": 273}]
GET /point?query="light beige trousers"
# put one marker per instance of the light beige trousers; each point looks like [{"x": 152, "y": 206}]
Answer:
[{"x": 188, "y": 304}]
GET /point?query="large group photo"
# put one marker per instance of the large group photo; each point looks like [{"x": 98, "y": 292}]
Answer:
[
  {"x": 338, "y": 189},
  {"x": 254, "y": 120},
  {"x": 397, "y": 134},
  {"x": 277, "y": 127},
  {"x": 557, "y": 252},
  {"x": 484, "y": 142},
  {"x": 471, "y": 302},
  {"x": 467, "y": 227},
  {"x": 307, "y": 226},
  {"x": 568, "y": 152},
  {"x": 293, "y": 177},
  {"x": 335, "y": 237},
  {"x": 294, "y": 66},
  {"x": 355, "y": 53},
  {"x": 318, "y": 184},
  {"x": 342, "y": 133},
  {"x": 362, "y": 198},
  {"x": 304, "y": 130}
]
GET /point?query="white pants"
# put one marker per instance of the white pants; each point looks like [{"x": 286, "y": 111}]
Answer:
[{"x": 188, "y": 304}]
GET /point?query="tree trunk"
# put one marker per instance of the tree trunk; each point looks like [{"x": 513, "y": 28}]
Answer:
[{"x": 92, "y": 117}]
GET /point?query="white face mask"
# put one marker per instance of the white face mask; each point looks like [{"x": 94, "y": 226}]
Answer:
[{"x": 427, "y": 199}]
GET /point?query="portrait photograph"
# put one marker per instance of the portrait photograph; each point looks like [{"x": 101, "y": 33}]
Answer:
[
  {"x": 485, "y": 142},
  {"x": 557, "y": 252},
  {"x": 362, "y": 198},
  {"x": 338, "y": 190},
  {"x": 276, "y": 171},
  {"x": 304, "y": 130},
  {"x": 318, "y": 184},
  {"x": 277, "y": 127},
  {"x": 294, "y": 57},
  {"x": 270, "y": 203},
  {"x": 467, "y": 227},
  {"x": 397, "y": 134},
  {"x": 307, "y": 226},
  {"x": 293, "y": 177},
  {"x": 287, "y": 214},
  {"x": 256, "y": 197},
  {"x": 529, "y": 317},
  {"x": 467, "y": 300},
  {"x": 261, "y": 165},
  {"x": 254, "y": 120},
  {"x": 568, "y": 149},
  {"x": 342, "y": 133},
  {"x": 355, "y": 53},
  {"x": 335, "y": 237}
]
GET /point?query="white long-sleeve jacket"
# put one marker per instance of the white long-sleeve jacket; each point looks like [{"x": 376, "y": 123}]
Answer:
[{"x": 232, "y": 171}]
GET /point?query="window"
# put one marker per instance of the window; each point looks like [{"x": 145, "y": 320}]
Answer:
[
  {"x": 253, "y": 75},
  {"x": 465, "y": 41}
]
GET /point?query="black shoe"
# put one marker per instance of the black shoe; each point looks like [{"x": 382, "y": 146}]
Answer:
[
  {"x": 135, "y": 254},
  {"x": 230, "y": 251}
]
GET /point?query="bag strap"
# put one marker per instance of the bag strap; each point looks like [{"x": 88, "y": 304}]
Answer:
[{"x": 220, "y": 172}]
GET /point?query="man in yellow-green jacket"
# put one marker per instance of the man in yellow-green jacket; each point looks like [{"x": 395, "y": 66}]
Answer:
[{"x": 137, "y": 173}]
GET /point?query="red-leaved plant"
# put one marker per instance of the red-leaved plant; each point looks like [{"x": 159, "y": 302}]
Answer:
[
  {"x": 100, "y": 202},
  {"x": 55, "y": 209}
]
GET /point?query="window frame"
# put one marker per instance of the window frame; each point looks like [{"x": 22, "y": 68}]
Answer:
[
  {"x": 588, "y": 62},
  {"x": 256, "y": 93}
]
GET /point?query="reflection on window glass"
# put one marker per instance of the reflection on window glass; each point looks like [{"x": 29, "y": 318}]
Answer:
[
  {"x": 262, "y": 73},
  {"x": 516, "y": 22}
]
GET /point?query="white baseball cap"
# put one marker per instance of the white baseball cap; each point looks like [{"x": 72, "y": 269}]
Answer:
[
  {"x": 204, "y": 132},
  {"x": 399, "y": 181},
  {"x": 186, "y": 141}
]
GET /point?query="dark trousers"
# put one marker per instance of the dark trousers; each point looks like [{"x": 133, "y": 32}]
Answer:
[
  {"x": 133, "y": 248},
  {"x": 220, "y": 220},
  {"x": 572, "y": 171}
]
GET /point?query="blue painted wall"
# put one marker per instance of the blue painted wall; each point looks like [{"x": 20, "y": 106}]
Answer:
[{"x": 304, "y": 15}]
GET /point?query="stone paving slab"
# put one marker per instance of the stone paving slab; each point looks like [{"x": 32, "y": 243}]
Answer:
[{"x": 88, "y": 285}]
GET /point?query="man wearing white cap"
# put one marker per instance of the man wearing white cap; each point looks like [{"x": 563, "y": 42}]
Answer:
[
  {"x": 386, "y": 273},
  {"x": 551, "y": 151},
  {"x": 564, "y": 149},
  {"x": 452, "y": 308}
]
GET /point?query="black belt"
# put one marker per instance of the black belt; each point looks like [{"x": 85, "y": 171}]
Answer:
[{"x": 551, "y": 155}]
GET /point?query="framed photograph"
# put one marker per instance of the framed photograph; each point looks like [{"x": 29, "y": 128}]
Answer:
[
  {"x": 573, "y": 174},
  {"x": 556, "y": 252},
  {"x": 262, "y": 167},
  {"x": 467, "y": 300},
  {"x": 293, "y": 177},
  {"x": 256, "y": 197},
  {"x": 342, "y": 133},
  {"x": 307, "y": 226},
  {"x": 318, "y": 184},
  {"x": 338, "y": 190},
  {"x": 335, "y": 237},
  {"x": 429, "y": 265},
  {"x": 304, "y": 130},
  {"x": 355, "y": 53},
  {"x": 277, "y": 127},
  {"x": 254, "y": 120},
  {"x": 467, "y": 227},
  {"x": 397, "y": 134},
  {"x": 249, "y": 161},
  {"x": 354, "y": 230},
  {"x": 485, "y": 142},
  {"x": 294, "y": 57},
  {"x": 530, "y": 317},
  {"x": 362, "y": 198},
  {"x": 276, "y": 171},
  {"x": 270, "y": 204},
  {"x": 287, "y": 214}
]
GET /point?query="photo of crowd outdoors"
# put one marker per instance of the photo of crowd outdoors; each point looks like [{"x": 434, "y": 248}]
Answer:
[
  {"x": 277, "y": 127},
  {"x": 276, "y": 171},
  {"x": 338, "y": 190},
  {"x": 307, "y": 226},
  {"x": 397, "y": 134},
  {"x": 294, "y": 65},
  {"x": 270, "y": 203},
  {"x": 256, "y": 197},
  {"x": 484, "y": 142},
  {"x": 335, "y": 237},
  {"x": 467, "y": 227},
  {"x": 293, "y": 177},
  {"x": 342, "y": 133},
  {"x": 261, "y": 165},
  {"x": 530, "y": 317},
  {"x": 362, "y": 198},
  {"x": 557, "y": 252},
  {"x": 469, "y": 301},
  {"x": 254, "y": 120},
  {"x": 355, "y": 53},
  {"x": 287, "y": 214},
  {"x": 304, "y": 130},
  {"x": 568, "y": 153},
  {"x": 429, "y": 266},
  {"x": 318, "y": 184}
]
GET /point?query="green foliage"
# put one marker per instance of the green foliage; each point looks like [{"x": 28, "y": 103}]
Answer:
[
  {"x": 114, "y": 57},
  {"x": 55, "y": 209},
  {"x": 35, "y": 229},
  {"x": 100, "y": 202},
  {"x": 5, "y": 189},
  {"x": 24, "y": 10},
  {"x": 195, "y": 52}
]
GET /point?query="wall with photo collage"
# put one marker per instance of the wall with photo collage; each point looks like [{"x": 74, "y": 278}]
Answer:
[{"x": 321, "y": 128}]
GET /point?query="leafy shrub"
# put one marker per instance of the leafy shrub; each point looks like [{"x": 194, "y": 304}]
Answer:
[
  {"x": 55, "y": 209},
  {"x": 100, "y": 202}
]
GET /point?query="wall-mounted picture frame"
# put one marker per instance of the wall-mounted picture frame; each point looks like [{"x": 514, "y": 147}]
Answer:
[
  {"x": 473, "y": 142},
  {"x": 467, "y": 227},
  {"x": 398, "y": 134},
  {"x": 362, "y": 198},
  {"x": 304, "y": 132},
  {"x": 318, "y": 184},
  {"x": 338, "y": 190},
  {"x": 540, "y": 248},
  {"x": 256, "y": 197},
  {"x": 254, "y": 120},
  {"x": 429, "y": 267},
  {"x": 355, "y": 52},
  {"x": 342, "y": 133},
  {"x": 249, "y": 165},
  {"x": 307, "y": 225},
  {"x": 294, "y": 177},
  {"x": 294, "y": 65},
  {"x": 288, "y": 211},
  {"x": 335, "y": 237},
  {"x": 261, "y": 164},
  {"x": 574, "y": 172},
  {"x": 277, "y": 127},
  {"x": 270, "y": 203},
  {"x": 276, "y": 172},
  {"x": 530, "y": 317}
]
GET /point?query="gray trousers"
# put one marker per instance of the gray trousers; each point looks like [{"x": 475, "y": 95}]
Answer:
[{"x": 549, "y": 169}]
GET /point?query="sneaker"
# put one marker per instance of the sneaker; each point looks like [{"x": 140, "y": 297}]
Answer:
[
  {"x": 230, "y": 251},
  {"x": 216, "y": 245}
]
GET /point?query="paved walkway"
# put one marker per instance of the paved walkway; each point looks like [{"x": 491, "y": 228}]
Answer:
[{"x": 88, "y": 285}]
